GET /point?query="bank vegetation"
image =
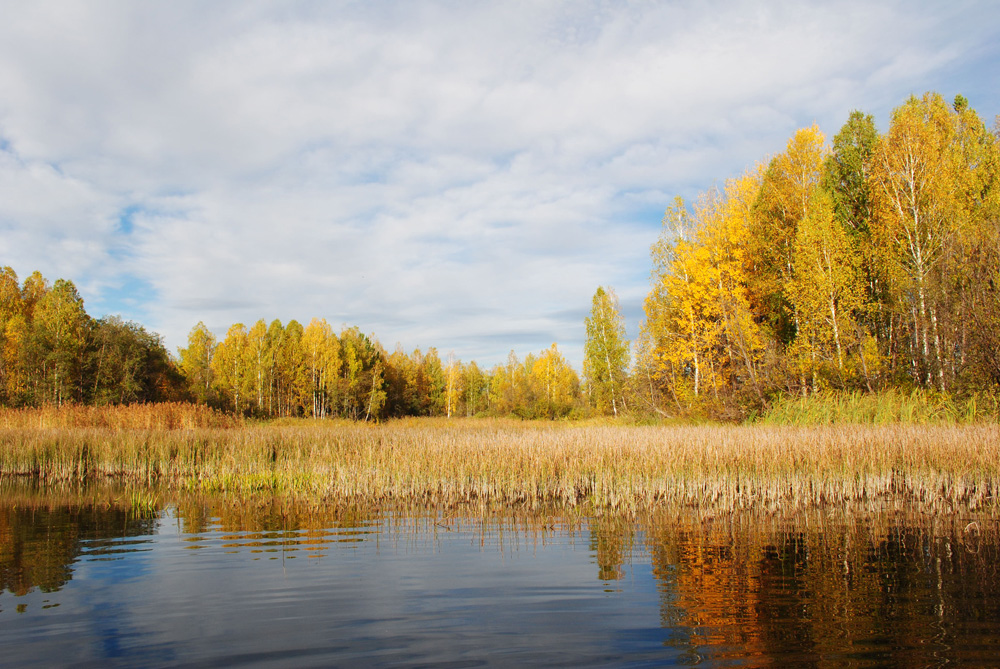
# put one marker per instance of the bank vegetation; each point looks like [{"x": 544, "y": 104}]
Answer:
[{"x": 505, "y": 461}]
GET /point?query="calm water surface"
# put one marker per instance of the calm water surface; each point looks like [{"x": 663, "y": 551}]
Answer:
[{"x": 221, "y": 583}]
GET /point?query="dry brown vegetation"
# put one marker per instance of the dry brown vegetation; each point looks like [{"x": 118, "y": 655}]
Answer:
[
  {"x": 159, "y": 416},
  {"x": 528, "y": 464}
]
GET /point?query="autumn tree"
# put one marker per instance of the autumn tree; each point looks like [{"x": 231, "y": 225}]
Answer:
[
  {"x": 788, "y": 185},
  {"x": 12, "y": 335},
  {"x": 700, "y": 338},
  {"x": 677, "y": 309},
  {"x": 196, "y": 363},
  {"x": 229, "y": 368},
  {"x": 259, "y": 366},
  {"x": 453, "y": 388},
  {"x": 825, "y": 293},
  {"x": 59, "y": 329},
  {"x": 363, "y": 392},
  {"x": 919, "y": 219},
  {"x": 606, "y": 354},
  {"x": 323, "y": 363},
  {"x": 555, "y": 386},
  {"x": 292, "y": 376},
  {"x": 401, "y": 384},
  {"x": 510, "y": 387},
  {"x": 476, "y": 386}
]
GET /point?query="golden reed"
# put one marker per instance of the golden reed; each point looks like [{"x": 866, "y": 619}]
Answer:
[{"x": 527, "y": 463}]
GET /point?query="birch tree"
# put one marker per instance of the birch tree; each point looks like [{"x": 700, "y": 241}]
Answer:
[
  {"x": 918, "y": 218},
  {"x": 606, "y": 353},
  {"x": 825, "y": 292}
]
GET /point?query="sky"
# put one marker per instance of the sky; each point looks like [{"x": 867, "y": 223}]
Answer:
[{"x": 459, "y": 175}]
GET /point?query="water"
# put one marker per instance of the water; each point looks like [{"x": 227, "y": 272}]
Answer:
[{"x": 85, "y": 582}]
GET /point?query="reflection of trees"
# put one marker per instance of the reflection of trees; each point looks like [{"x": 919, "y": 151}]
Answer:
[
  {"x": 38, "y": 544},
  {"x": 707, "y": 583},
  {"x": 817, "y": 588},
  {"x": 275, "y": 514},
  {"x": 42, "y": 532},
  {"x": 611, "y": 540}
]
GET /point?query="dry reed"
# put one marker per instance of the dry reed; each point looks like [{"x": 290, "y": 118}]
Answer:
[
  {"x": 161, "y": 416},
  {"x": 531, "y": 464}
]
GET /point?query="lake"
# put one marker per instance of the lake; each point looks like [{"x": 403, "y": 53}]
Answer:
[{"x": 92, "y": 579}]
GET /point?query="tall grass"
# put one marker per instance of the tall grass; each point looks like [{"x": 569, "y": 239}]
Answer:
[
  {"x": 531, "y": 464},
  {"x": 161, "y": 416},
  {"x": 887, "y": 407}
]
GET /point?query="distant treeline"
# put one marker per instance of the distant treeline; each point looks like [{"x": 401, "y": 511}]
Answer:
[
  {"x": 871, "y": 264},
  {"x": 276, "y": 370},
  {"x": 53, "y": 353}
]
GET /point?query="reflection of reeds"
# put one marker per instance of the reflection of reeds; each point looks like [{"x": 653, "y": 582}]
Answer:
[
  {"x": 509, "y": 462},
  {"x": 143, "y": 503}
]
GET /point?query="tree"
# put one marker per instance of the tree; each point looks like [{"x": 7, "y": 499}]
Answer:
[
  {"x": 323, "y": 364},
  {"x": 681, "y": 310},
  {"x": 825, "y": 291},
  {"x": 229, "y": 368},
  {"x": 12, "y": 327},
  {"x": 453, "y": 380},
  {"x": 783, "y": 200},
  {"x": 274, "y": 340},
  {"x": 432, "y": 385},
  {"x": 292, "y": 375},
  {"x": 509, "y": 389},
  {"x": 59, "y": 329},
  {"x": 555, "y": 386},
  {"x": 35, "y": 288},
  {"x": 846, "y": 173},
  {"x": 606, "y": 353},
  {"x": 126, "y": 363},
  {"x": 700, "y": 338},
  {"x": 847, "y": 177},
  {"x": 476, "y": 385},
  {"x": 363, "y": 391},
  {"x": 918, "y": 218},
  {"x": 196, "y": 363}
]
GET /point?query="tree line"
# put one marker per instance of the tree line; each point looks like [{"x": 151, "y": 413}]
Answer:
[
  {"x": 282, "y": 370},
  {"x": 53, "y": 353},
  {"x": 870, "y": 263}
]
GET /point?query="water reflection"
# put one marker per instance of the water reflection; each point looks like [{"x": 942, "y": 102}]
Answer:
[
  {"x": 85, "y": 573},
  {"x": 827, "y": 587},
  {"x": 39, "y": 542}
]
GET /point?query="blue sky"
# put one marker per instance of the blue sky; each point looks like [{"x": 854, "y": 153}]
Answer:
[{"x": 453, "y": 174}]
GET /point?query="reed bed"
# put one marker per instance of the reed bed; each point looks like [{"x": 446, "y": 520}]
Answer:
[
  {"x": 627, "y": 468},
  {"x": 883, "y": 408},
  {"x": 160, "y": 416}
]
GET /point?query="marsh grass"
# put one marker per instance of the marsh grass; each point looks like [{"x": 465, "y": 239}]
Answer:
[
  {"x": 922, "y": 407},
  {"x": 508, "y": 462},
  {"x": 161, "y": 416}
]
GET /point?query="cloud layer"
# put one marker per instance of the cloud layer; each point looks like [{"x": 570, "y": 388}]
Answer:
[{"x": 450, "y": 174}]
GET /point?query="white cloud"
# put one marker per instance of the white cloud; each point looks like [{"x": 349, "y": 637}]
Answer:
[{"x": 459, "y": 175}]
